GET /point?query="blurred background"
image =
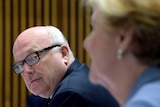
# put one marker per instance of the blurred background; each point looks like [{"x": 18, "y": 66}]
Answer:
[{"x": 17, "y": 15}]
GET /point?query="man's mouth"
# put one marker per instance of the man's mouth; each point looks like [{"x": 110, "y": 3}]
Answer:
[{"x": 33, "y": 80}]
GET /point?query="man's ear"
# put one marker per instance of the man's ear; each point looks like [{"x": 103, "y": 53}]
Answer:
[
  {"x": 125, "y": 38},
  {"x": 65, "y": 54}
]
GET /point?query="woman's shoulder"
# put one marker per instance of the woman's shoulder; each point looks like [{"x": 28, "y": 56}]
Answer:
[{"x": 146, "y": 96}]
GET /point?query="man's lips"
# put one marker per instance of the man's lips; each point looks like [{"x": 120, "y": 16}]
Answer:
[{"x": 34, "y": 80}]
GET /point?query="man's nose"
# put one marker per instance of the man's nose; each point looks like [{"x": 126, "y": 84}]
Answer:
[{"x": 27, "y": 68}]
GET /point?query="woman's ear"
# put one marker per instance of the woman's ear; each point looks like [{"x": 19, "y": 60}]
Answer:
[
  {"x": 125, "y": 38},
  {"x": 65, "y": 54}
]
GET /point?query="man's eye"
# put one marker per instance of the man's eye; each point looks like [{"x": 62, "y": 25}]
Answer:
[
  {"x": 31, "y": 58},
  {"x": 34, "y": 57}
]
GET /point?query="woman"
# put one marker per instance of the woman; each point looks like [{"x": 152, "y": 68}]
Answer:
[{"x": 124, "y": 48}]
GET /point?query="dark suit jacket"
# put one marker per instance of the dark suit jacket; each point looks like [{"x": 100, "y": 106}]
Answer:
[
  {"x": 75, "y": 90},
  {"x": 35, "y": 101}
]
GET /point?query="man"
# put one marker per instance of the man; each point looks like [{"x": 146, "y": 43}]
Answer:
[{"x": 46, "y": 63}]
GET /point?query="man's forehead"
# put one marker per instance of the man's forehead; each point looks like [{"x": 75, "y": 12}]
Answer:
[
  {"x": 31, "y": 36},
  {"x": 20, "y": 52},
  {"x": 28, "y": 44}
]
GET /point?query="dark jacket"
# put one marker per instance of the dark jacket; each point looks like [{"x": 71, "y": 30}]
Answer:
[
  {"x": 75, "y": 90},
  {"x": 35, "y": 101}
]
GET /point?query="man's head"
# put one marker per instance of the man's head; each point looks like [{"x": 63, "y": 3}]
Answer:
[{"x": 42, "y": 57}]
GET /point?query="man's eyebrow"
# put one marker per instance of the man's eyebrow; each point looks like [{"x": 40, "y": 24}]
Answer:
[{"x": 29, "y": 51}]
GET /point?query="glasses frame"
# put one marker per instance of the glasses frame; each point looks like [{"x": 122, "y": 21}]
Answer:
[{"x": 37, "y": 53}]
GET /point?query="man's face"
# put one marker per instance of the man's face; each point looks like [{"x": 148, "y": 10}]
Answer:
[{"x": 41, "y": 78}]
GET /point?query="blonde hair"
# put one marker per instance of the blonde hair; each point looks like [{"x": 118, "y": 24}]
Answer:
[{"x": 134, "y": 12}]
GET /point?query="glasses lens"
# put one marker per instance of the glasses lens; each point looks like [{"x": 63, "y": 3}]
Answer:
[
  {"x": 18, "y": 67},
  {"x": 32, "y": 59}
]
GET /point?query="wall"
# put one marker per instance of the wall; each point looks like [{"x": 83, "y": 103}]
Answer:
[{"x": 15, "y": 16}]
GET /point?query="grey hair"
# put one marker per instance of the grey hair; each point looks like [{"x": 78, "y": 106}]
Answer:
[{"x": 57, "y": 37}]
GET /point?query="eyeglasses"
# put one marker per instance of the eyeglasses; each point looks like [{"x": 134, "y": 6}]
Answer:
[{"x": 31, "y": 59}]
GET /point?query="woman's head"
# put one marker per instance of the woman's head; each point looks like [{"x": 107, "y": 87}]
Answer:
[
  {"x": 124, "y": 40},
  {"x": 142, "y": 16}
]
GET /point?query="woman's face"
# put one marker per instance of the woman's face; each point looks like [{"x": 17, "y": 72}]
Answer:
[{"x": 101, "y": 45}]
